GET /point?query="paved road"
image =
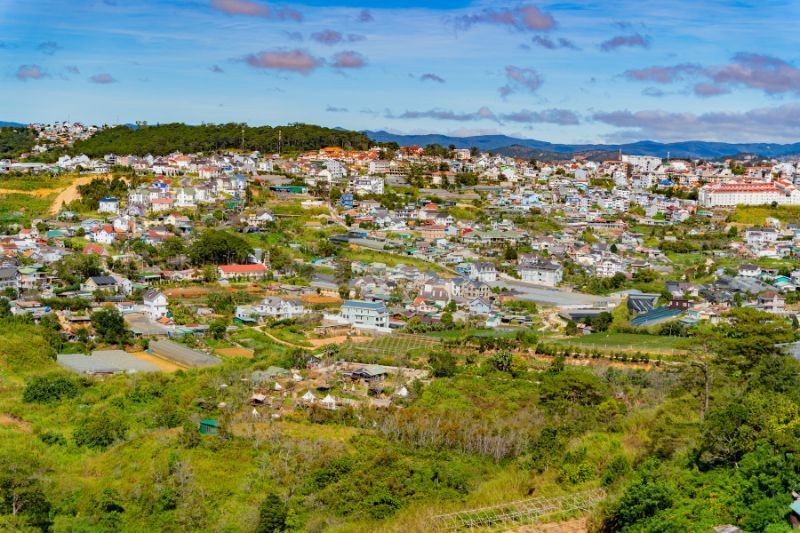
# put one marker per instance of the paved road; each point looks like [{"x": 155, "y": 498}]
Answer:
[{"x": 548, "y": 296}]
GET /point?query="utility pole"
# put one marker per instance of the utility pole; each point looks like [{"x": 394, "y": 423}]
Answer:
[{"x": 280, "y": 140}]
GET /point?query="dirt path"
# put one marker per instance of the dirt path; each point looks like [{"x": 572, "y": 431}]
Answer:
[
  {"x": 12, "y": 421},
  {"x": 70, "y": 193},
  {"x": 578, "y": 525},
  {"x": 38, "y": 193},
  {"x": 279, "y": 341}
]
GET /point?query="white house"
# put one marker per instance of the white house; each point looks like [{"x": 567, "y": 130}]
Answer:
[
  {"x": 109, "y": 205},
  {"x": 279, "y": 308},
  {"x": 607, "y": 267},
  {"x": 749, "y": 271},
  {"x": 542, "y": 273},
  {"x": 482, "y": 271},
  {"x": 155, "y": 304},
  {"x": 362, "y": 313}
]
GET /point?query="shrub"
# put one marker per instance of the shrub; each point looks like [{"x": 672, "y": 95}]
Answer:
[
  {"x": 443, "y": 364},
  {"x": 99, "y": 431},
  {"x": 52, "y": 438},
  {"x": 45, "y": 389},
  {"x": 271, "y": 515}
]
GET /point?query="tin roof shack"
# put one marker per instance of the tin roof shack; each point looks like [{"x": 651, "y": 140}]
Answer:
[
  {"x": 208, "y": 427},
  {"x": 105, "y": 362},
  {"x": 372, "y": 375},
  {"x": 180, "y": 354}
]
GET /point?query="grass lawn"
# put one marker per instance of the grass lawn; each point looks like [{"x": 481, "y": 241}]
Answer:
[
  {"x": 259, "y": 343},
  {"x": 390, "y": 260},
  {"x": 457, "y": 334},
  {"x": 22, "y": 208},
  {"x": 755, "y": 215},
  {"x": 630, "y": 341},
  {"x": 32, "y": 183},
  {"x": 287, "y": 335}
]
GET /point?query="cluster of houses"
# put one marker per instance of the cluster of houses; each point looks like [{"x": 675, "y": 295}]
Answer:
[{"x": 476, "y": 233}]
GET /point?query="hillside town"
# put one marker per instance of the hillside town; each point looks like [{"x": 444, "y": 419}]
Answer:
[
  {"x": 477, "y": 229},
  {"x": 341, "y": 276}
]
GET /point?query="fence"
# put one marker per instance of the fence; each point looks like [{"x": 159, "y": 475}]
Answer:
[
  {"x": 397, "y": 344},
  {"x": 506, "y": 515}
]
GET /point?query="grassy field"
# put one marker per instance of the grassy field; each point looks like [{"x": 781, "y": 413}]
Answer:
[
  {"x": 686, "y": 260},
  {"x": 17, "y": 208},
  {"x": 394, "y": 346},
  {"x": 626, "y": 341},
  {"x": 458, "y": 334},
  {"x": 755, "y": 215},
  {"x": 390, "y": 260},
  {"x": 35, "y": 182},
  {"x": 289, "y": 334},
  {"x": 260, "y": 344}
]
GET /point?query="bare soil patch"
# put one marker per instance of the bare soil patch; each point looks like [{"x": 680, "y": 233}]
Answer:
[
  {"x": 337, "y": 340},
  {"x": 163, "y": 364},
  {"x": 236, "y": 352},
  {"x": 15, "y": 422}
]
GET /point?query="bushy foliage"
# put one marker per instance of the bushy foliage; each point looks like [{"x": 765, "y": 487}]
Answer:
[
  {"x": 109, "y": 325},
  {"x": 15, "y": 141},
  {"x": 46, "y": 389},
  {"x": 443, "y": 364},
  {"x": 271, "y": 515},
  {"x": 219, "y": 247},
  {"x": 167, "y": 138},
  {"x": 100, "y": 430},
  {"x": 92, "y": 192}
]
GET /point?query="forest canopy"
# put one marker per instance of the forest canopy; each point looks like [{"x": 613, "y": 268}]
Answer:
[
  {"x": 15, "y": 141},
  {"x": 167, "y": 138}
]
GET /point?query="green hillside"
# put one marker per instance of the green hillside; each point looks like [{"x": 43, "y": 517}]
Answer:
[{"x": 167, "y": 138}]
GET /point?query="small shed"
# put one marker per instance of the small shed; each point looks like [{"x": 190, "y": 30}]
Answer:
[
  {"x": 308, "y": 398},
  {"x": 328, "y": 402},
  {"x": 208, "y": 427},
  {"x": 370, "y": 373}
]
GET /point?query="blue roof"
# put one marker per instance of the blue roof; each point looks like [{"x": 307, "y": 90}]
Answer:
[
  {"x": 795, "y": 506},
  {"x": 364, "y": 305},
  {"x": 657, "y": 315}
]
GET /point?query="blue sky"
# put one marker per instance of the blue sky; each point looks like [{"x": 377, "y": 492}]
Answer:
[{"x": 580, "y": 71}]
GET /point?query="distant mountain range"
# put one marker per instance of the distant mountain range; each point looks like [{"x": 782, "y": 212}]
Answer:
[
  {"x": 11, "y": 125},
  {"x": 532, "y": 148}
]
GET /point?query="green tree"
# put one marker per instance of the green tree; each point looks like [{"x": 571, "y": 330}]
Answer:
[
  {"x": 748, "y": 336},
  {"x": 109, "y": 325},
  {"x": 501, "y": 361},
  {"x": 46, "y": 389},
  {"x": 219, "y": 247},
  {"x": 218, "y": 328},
  {"x": 344, "y": 270},
  {"x": 443, "y": 364},
  {"x": 21, "y": 487},
  {"x": 100, "y": 430},
  {"x": 75, "y": 268},
  {"x": 271, "y": 514}
]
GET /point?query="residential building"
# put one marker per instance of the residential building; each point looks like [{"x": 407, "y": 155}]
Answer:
[
  {"x": 542, "y": 273},
  {"x": 251, "y": 271},
  {"x": 483, "y": 271},
  {"x": 362, "y": 313},
  {"x": 155, "y": 304}
]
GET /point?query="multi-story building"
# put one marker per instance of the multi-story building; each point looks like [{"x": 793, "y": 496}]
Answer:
[
  {"x": 542, "y": 273},
  {"x": 739, "y": 192},
  {"x": 362, "y": 313}
]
